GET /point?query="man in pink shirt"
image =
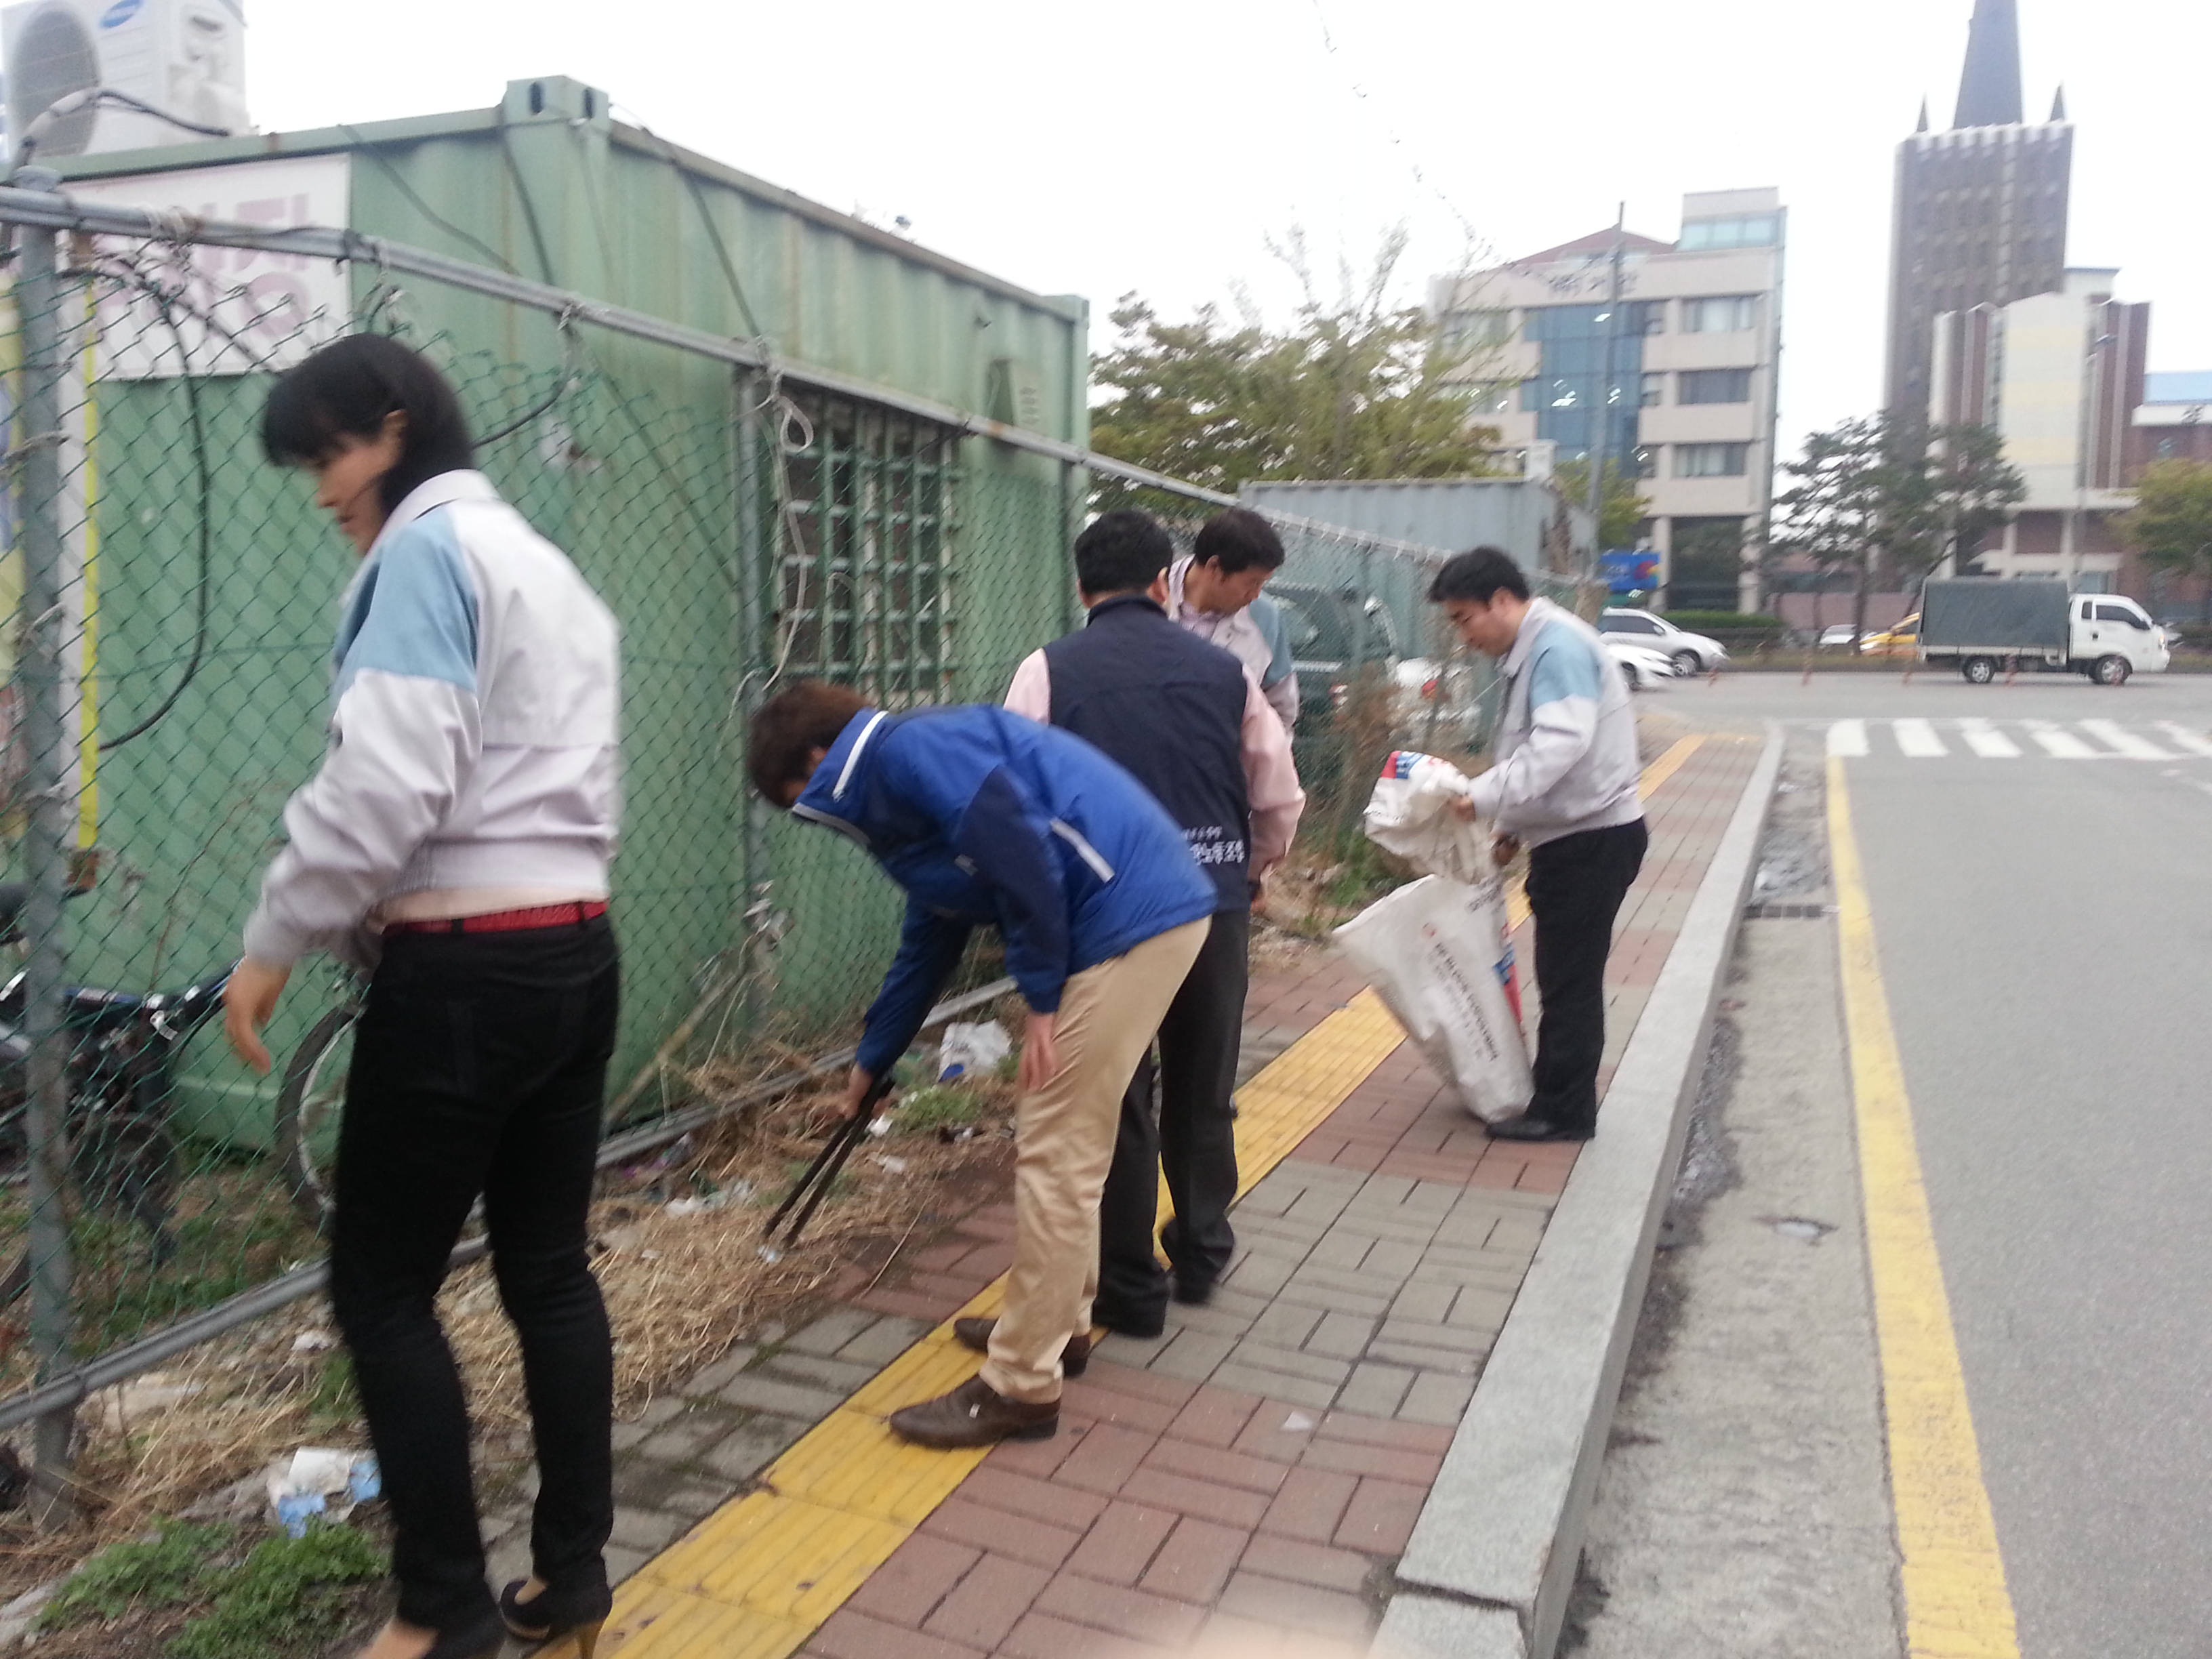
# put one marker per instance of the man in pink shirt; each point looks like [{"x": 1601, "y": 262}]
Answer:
[{"x": 1190, "y": 722}]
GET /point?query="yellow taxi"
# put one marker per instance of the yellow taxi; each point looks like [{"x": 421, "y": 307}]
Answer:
[{"x": 1902, "y": 640}]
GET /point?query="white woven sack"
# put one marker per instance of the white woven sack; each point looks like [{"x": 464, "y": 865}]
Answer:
[
  {"x": 1410, "y": 813},
  {"x": 1438, "y": 955}
]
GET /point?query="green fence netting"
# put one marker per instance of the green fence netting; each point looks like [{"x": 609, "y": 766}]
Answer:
[{"x": 746, "y": 529}]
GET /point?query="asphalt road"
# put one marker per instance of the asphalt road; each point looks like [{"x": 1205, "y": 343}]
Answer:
[{"x": 2044, "y": 920}]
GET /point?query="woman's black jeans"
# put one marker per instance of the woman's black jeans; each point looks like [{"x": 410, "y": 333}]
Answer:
[{"x": 479, "y": 1067}]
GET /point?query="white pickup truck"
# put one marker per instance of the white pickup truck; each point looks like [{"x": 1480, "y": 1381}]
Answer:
[{"x": 1985, "y": 625}]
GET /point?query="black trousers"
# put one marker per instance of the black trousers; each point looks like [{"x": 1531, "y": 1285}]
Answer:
[
  {"x": 1576, "y": 885},
  {"x": 479, "y": 1067},
  {"x": 1193, "y": 1139}
]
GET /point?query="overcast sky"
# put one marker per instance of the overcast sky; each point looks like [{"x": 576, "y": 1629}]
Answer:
[{"x": 1155, "y": 145}]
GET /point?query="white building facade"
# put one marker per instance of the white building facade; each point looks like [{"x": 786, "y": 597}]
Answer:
[
  {"x": 2059, "y": 376},
  {"x": 1689, "y": 406}
]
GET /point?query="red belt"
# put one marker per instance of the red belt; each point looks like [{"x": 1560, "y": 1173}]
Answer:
[{"x": 574, "y": 914}]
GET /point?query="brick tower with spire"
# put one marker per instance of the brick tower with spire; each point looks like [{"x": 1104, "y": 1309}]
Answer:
[{"x": 1980, "y": 211}]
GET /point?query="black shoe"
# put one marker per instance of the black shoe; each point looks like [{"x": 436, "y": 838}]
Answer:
[
  {"x": 1074, "y": 1359},
  {"x": 1525, "y": 1126},
  {"x": 1194, "y": 1292},
  {"x": 553, "y": 1613},
  {"x": 1142, "y": 1326},
  {"x": 482, "y": 1637}
]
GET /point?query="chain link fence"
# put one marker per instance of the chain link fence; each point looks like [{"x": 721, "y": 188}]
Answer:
[{"x": 164, "y": 683}]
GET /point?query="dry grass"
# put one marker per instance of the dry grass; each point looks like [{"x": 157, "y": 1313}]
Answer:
[{"x": 680, "y": 1289}]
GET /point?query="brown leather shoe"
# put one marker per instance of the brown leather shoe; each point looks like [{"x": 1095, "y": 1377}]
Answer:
[
  {"x": 1074, "y": 1359},
  {"x": 974, "y": 1414}
]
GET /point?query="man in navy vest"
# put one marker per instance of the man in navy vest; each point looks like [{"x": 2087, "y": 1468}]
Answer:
[{"x": 1191, "y": 722}]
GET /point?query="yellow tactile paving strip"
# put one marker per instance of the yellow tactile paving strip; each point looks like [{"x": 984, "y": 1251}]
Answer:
[{"x": 759, "y": 1576}]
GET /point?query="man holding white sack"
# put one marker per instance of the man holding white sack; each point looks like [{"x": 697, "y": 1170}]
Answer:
[{"x": 1563, "y": 784}]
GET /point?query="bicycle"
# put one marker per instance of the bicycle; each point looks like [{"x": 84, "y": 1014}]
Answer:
[
  {"x": 122, "y": 1154},
  {"x": 308, "y": 1105}
]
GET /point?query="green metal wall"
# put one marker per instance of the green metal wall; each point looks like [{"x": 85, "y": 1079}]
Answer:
[{"x": 637, "y": 473}]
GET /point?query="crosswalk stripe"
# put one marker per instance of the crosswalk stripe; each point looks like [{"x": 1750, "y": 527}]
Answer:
[
  {"x": 2181, "y": 737},
  {"x": 2060, "y": 745},
  {"x": 2125, "y": 742},
  {"x": 1848, "y": 738},
  {"x": 1917, "y": 739},
  {"x": 1987, "y": 741}
]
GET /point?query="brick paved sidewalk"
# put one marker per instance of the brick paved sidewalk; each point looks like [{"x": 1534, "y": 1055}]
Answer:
[{"x": 1263, "y": 1465}]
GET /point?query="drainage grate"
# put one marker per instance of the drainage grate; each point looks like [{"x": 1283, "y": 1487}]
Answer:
[{"x": 1775, "y": 912}]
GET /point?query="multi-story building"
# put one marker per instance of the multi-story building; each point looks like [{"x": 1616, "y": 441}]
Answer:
[
  {"x": 2060, "y": 376},
  {"x": 1689, "y": 406},
  {"x": 1980, "y": 209},
  {"x": 2173, "y": 421}
]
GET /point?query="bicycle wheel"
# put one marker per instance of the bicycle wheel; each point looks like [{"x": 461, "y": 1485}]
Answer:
[{"x": 307, "y": 1109}]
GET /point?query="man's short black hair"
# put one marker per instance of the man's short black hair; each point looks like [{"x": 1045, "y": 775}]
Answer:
[
  {"x": 347, "y": 390},
  {"x": 1121, "y": 552},
  {"x": 1479, "y": 575},
  {"x": 1236, "y": 539}
]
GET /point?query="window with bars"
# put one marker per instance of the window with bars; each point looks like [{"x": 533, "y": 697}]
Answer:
[{"x": 864, "y": 581}]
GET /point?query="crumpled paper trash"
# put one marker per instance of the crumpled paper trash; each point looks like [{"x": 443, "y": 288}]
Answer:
[
  {"x": 318, "y": 1481},
  {"x": 971, "y": 1050}
]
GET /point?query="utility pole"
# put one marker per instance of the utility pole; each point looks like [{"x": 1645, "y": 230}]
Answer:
[{"x": 1601, "y": 435}]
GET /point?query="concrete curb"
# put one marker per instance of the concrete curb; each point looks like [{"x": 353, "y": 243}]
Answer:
[{"x": 1494, "y": 1555}]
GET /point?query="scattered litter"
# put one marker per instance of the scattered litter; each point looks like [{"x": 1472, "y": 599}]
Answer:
[
  {"x": 953, "y": 1134},
  {"x": 769, "y": 1252},
  {"x": 706, "y": 1204},
  {"x": 895, "y": 1165},
  {"x": 1798, "y": 1226},
  {"x": 620, "y": 1238},
  {"x": 1298, "y": 1423},
  {"x": 127, "y": 1402},
  {"x": 971, "y": 1050},
  {"x": 674, "y": 1156},
  {"x": 313, "y": 1342},
  {"x": 880, "y": 1126},
  {"x": 318, "y": 1481}
]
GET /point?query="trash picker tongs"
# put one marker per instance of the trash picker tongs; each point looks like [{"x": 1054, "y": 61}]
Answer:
[{"x": 822, "y": 1175}]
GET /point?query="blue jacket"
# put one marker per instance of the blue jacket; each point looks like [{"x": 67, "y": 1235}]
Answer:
[{"x": 989, "y": 819}]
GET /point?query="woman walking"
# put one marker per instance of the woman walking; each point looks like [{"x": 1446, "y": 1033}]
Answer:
[{"x": 456, "y": 840}]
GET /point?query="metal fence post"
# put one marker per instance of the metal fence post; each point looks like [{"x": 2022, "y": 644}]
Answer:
[
  {"x": 46, "y": 842},
  {"x": 757, "y": 572}
]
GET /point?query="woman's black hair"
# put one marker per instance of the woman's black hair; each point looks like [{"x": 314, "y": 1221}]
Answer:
[{"x": 346, "y": 390}]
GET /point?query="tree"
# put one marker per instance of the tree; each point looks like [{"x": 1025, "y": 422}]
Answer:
[
  {"x": 1971, "y": 489},
  {"x": 2172, "y": 524},
  {"x": 1833, "y": 506},
  {"x": 1881, "y": 495},
  {"x": 1357, "y": 387},
  {"x": 1624, "y": 507}
]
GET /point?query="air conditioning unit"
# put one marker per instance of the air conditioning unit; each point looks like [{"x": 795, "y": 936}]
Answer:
[{"x": 186, "y": 57}]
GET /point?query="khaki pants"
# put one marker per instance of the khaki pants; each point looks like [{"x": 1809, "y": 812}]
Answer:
[{"x": 1065, "y": 1144}]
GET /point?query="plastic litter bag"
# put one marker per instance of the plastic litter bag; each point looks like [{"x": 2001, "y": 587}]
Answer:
[
  {"x": 971, "y": 1050},
  {"x": 1439, "y": 954},
  {"x": 1410, "y": 814}
]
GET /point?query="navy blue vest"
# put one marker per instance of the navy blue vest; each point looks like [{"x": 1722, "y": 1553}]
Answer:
[{"x": 1170, "y": 708}]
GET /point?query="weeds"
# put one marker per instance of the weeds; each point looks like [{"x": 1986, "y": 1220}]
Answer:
[
  {"x": 290, "y": 1591},
  {"x": 330, "y": 1401},
  {"x": 288, "y": 1594},
  {"x": 927, "y": 1110},
  {"x": 161, "y": 1571}
]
